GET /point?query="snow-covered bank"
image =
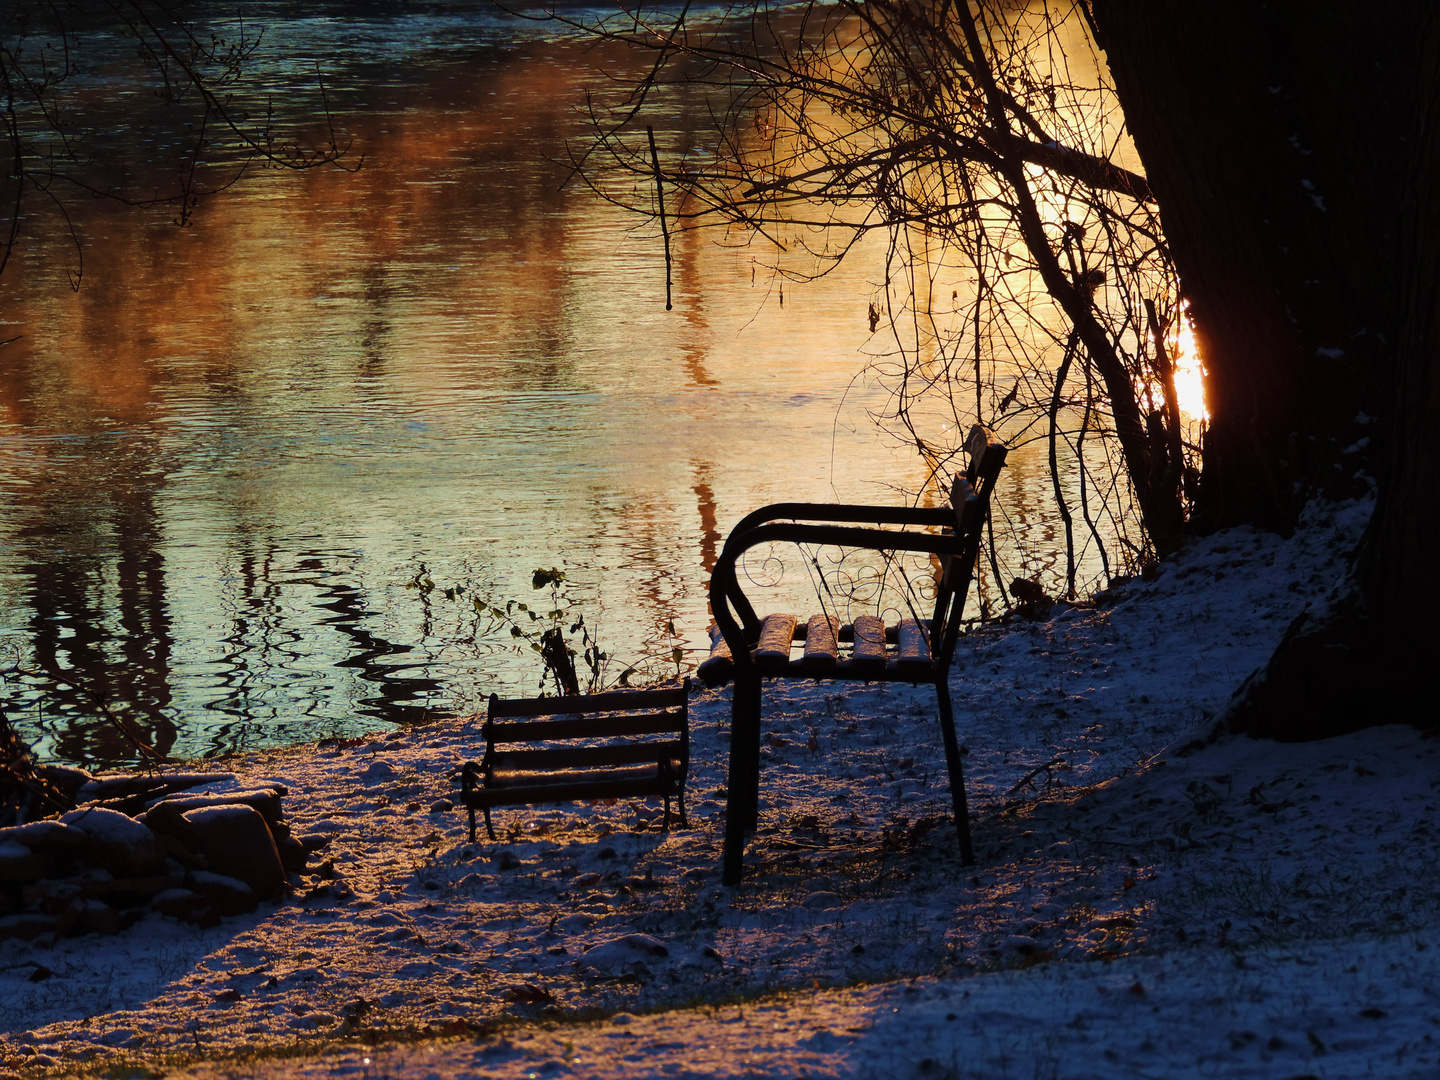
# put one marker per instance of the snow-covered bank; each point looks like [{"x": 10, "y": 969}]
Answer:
[
  {"x": 1341, "y": 1010},
  {"x": 1111, "y": 852}
]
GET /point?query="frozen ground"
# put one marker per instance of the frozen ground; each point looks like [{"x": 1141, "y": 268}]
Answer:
[{"x": 1145, "y": 905}]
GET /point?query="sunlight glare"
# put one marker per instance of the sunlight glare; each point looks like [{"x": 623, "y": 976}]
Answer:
[{"x": 1189, "y": 375}]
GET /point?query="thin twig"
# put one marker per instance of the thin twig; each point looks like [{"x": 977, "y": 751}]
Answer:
[
  {"x": 660, "y": 199},
  {"x": 118, "y": 722}
]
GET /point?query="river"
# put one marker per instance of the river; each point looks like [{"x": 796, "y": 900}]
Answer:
[{"x": 257, "y": 471}]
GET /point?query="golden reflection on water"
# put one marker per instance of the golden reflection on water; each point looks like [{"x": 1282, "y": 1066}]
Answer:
[{"x": 227, "y": 456}]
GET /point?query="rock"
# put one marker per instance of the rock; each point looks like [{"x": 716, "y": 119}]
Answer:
[
  {"x": 1034, "y": 603},
  {"x": 623, "y": 952},
  {"x": 1027, "y": 591},
  {"x": 27, "y": 926},
  {"x": 506, "y": 860},
  {"x": 236, "y": 842},
  {"x": 67, "y": 778},
  {"x": 441, "y": 806},
  {"x": 89, "y": 917},
  {"x": 379, "y": 771},
  {"x": 167, "y": 819},
  {"x": 293, "y": 854},
  {"x": 19, "y": 863},
  {"x": 121, "y": 785},
  {"x": 53, "y": 896},
  {"x": 189, "y": 906},
  {"x": 265, "y": 800},
  {"x": 128, "y": 892},
  {"x": 226, "y": 895},
  {"x": 44, "y": 836},
  {"x": 116, "y": 842},
  {"x": 315, "y": 841},
  {"x": 187, "y": 858}
]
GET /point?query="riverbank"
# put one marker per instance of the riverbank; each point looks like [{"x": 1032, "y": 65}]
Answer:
[{"x": 1145, "y": 902}]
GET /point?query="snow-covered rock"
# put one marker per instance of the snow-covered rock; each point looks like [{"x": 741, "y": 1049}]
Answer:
[
  {"x": 236, "y": 842},
  {"x": 117, "y": 842},
  {"x": 44, "y": 836},
  {"x": 615, "y": 956}
]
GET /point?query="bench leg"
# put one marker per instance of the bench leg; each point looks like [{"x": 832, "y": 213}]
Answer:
[
  {"x": 957, "y": 772},
  {"x": 488, "y": 827},
  {"x": 742, "y": 801},
  {"x": 751, "y": 729},
  {"x": 472, "y": 824}
]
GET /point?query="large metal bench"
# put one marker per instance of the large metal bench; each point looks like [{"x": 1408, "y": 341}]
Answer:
[
  {"x": 748, "y": 649},
  {"x": 623, "y": 744}
]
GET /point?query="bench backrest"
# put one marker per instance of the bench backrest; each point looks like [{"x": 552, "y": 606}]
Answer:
[
  {"x": 970, "y": 497},
  {"x": 622, "y": 714}
]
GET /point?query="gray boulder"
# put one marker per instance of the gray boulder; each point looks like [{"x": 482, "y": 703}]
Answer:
[
  {"x": 19, "y": 863},
  {"x": 224, "y": 895},
  {"x": 117, "y": 842},
  {"x": 236, "y": 842}
]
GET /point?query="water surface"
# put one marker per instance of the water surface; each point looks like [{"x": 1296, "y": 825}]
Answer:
[{"x": 256, "y": 471}]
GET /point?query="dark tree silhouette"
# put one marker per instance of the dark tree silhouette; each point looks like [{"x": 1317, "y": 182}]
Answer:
[{"x": 1293, "y": 151}]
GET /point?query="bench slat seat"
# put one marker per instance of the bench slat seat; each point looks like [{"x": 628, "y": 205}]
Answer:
[
  {"x": 539, "y": 759},
  {"x": 598, "y": 727},
  {"x": 912, "y": 649},
  {"x": 720, "y": 665},
  {"x": 822, "y": 646},
  {"x": 772, "y": 651},
  {"x": 823, "y": 656}
]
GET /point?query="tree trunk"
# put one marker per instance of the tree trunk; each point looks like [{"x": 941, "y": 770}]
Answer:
[
  {"x": 1274, "y": 139},
  {"x": 1293, "y": 151},
  {"x": 1400, "y": 568}
]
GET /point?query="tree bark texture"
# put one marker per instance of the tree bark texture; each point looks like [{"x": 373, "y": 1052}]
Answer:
[
  {"x": 1400, "y": 569},
  {"x": 1275, "y": 139},
  {"x": 1294, "y": 152}
]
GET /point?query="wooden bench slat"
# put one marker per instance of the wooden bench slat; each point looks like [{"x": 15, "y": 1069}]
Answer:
[
  {"x": 579, "y": 757},
  {"x": 543, "y": 779},
  {"x": 869, "y": 641},
  {"x": 847, "y": 632},
  {"x": 599, "y": 727},
  {"x": 821, "y": 645},
  {"x": 777, "y": 633},
  {"x": 718, "y": 669},
  {"x": 551, "y": 793},
  {"x": 612, "y": 701},
  {"x": 912, "y": 645}
]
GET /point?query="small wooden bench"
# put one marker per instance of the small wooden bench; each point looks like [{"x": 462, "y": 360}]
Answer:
[
  {"x": 623, "y": 744},
  {"x": 749, "y": 649}
]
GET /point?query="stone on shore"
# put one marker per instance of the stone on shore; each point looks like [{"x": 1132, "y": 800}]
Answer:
[
  {"x": 18, "y": 863},
  {"x": 117, "y": 842},
  {"x": 235, "y": 840}
]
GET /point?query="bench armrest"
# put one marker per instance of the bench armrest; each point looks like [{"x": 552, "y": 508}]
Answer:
[{"x": 847, "y": 512}]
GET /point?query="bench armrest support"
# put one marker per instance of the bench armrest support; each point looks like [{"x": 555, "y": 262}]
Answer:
[{"x": 725, "y": 590}]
